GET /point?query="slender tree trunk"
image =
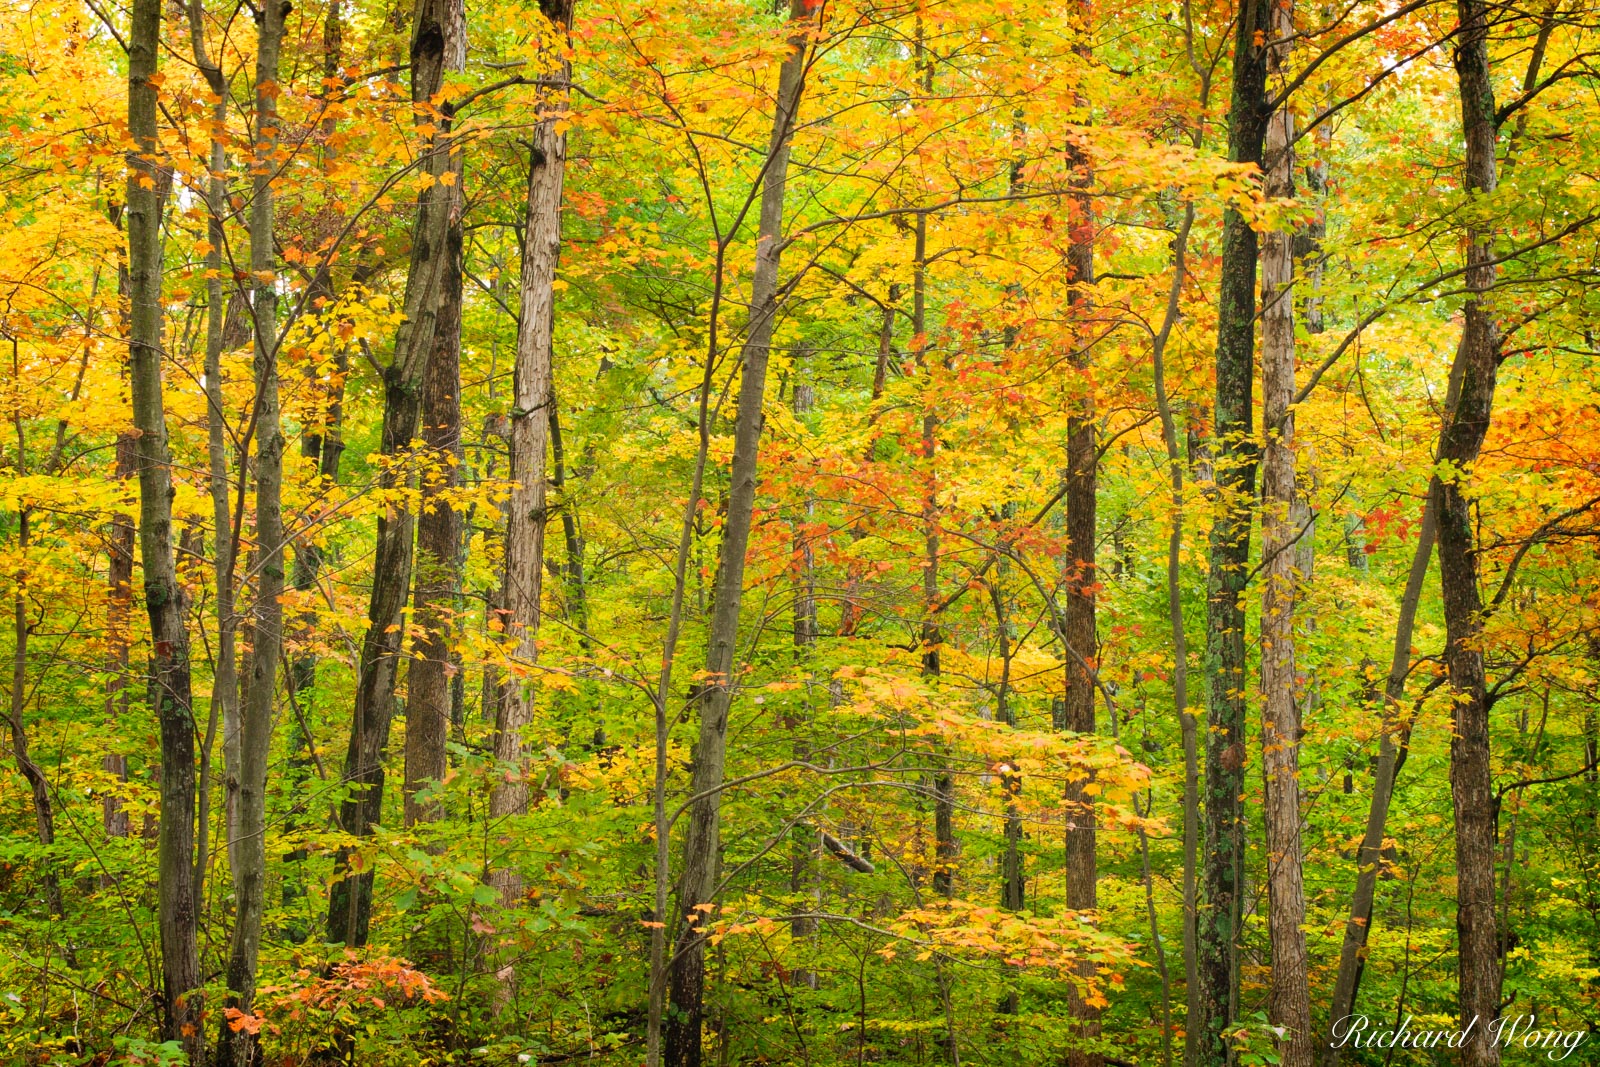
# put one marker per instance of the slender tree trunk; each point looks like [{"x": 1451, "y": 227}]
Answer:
[
  {"x": 1218, "y": 923},
  {"x": 945, "y": 849},
  {"x": 322, "y": 445},
  {"x": 1369, "y": 857},
  {"x": 1180, "y": 641},
  {"x": 702, "y": 842},
  {"x": 225, "y": 682},
  {"x": 532, "y": 395},
  {"x": 803, "y": 854},
  {"x": 1471, "y": 786},
  {"x": 322, "y": 438},
  {"x": 572, "y": 573},
  {"x": 119, "y": 610},
  {"x": 880, "y": 371},
  {"x": 266, "y": 623},
  {"x": 438, "y": 570},
  {"x": 1289, "y": 1000},
  {"x": 1078, "y": 629},
  {"x": 350, "y": 900},
  {"x": 170, "y": 692},
  {"x": 43, "y": 813}
]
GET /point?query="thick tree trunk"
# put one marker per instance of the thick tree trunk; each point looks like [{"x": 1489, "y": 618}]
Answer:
[
  {"x": 1218, "y": 923},
  {"x": 1288, "y": 1000},
  {"x": 1078, "y": 621},
  {"x": 170, "y": 692},
  {"x": 350, "y": 900},
  {"x": 266, "y": 622},
  {"x": 532, "y": 394},
  {"x": 438, "y": 571},
  {"x": 702, "y": 842},
  {"x": 1471, "y": 786}
]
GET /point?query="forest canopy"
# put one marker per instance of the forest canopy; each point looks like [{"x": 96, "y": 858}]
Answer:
[{"x": 839, "y": 532}]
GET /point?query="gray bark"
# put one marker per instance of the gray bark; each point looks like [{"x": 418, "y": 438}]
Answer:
[
  {"x": 532, "y": 392},
  {"x": 350, "y": 900},
  {"x": 702, "y": 842},
  {"x": 266, "y": 623},
  {"x": 1288, "y": 1000},
  {"x": 170, "y": 691},
  {"x": 1180, "y": 642},
  {"x": 438, "y": 570}
]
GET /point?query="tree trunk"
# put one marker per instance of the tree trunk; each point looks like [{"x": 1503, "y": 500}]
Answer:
[
  {"x": 266, "y": 622},
  {"x": 43, "y": 812},
  {"x": 350, "y": 899},
  {"x": 1180, "y": 641},
  {"x": 438, "y": 570},
  {"x": 1369, "y": 857},
  {"x": 119, "y": 609},
  {"x": 170, "y": 692},
  {"x": 803, "y": 854},
  {"x": 572, "y": 573},
  {"x": 532, "y": 394},
  {"x": 1218, "y": 923},
  {"x": 1288, "y": 1000},
  {"x": 1078, "y": 622},
  {"x": 702, "y": 842},
  {"x": 225, "y": 682},
  {"x": 322, "y": 438},
  {"x": 1471, "y": 785}
]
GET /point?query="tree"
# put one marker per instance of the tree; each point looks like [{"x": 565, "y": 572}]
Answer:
[
  {"x": 350, "y": 902},
  {"x": 169, "y": 687},
  {"x": 697, "y": 884},
  {"x": 1218, "y": 922}
]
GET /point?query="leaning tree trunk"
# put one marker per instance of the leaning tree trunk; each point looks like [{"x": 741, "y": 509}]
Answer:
[
  {"x": 1358, "y": 927},
  {"x": 266, "y": 624},
  {"x": 697, "y": 885},
  {"x": 438, "y": 570},
  {"x": 1288, "y": 1000},
  {"x": 1471, "y": 786},
  {"x": 170, "y": 692},
  {"x": 438, "y": 23},
  {"x": 1217, "y": 925}
]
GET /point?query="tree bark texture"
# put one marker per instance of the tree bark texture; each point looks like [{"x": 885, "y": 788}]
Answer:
[
  {"x": 1218, "y": 921},
  {"x": 1471, "y": 785},
  {"x": 438, "y": 568},
  {"x": 350, "y": 900},
  {"x": 1078, "y": 610},
  {"x": 1288, "y": 999},
  {"x": 170, "y": 691},
  {"x": 532, "y": 396}
]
